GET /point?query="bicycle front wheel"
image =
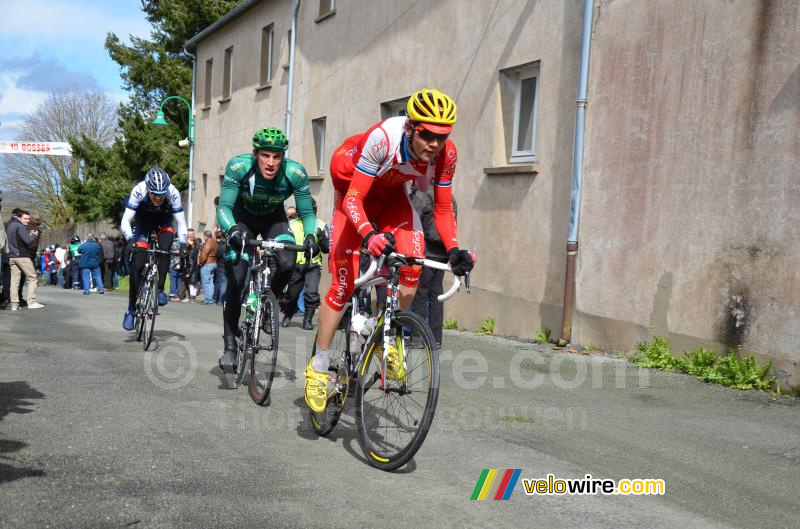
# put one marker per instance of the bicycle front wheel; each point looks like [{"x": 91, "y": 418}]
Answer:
[
  {"x": 338, "y": 385},
  {"x": 243, "y": 341},
  {"x": 264, "y": 349},
  {"x": 150, "y": 311},
  {"x": 395, "y": 405},
  {"x": 139, "y": 313}
]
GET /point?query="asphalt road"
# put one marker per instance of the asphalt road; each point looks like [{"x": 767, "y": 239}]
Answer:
[{"x": 96, "y": 433}]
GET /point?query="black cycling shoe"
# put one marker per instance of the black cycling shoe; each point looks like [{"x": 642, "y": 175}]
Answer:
[
  {"x": 286, "y": 320},
  {"x": 227, "y": 362}
]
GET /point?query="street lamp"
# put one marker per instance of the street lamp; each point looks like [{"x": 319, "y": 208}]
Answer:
[{"x": 161, "y": 122}]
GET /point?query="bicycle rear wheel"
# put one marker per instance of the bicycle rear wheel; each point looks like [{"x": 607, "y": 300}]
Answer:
[
  {"x": 393, "y": 416},
  {"x": 324, "y": 423},
  {"x": 150, "y": 310},
  {"x": 264, "y": 349}
]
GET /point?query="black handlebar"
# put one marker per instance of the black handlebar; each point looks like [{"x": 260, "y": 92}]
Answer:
[{"x": 275, "y": 245}]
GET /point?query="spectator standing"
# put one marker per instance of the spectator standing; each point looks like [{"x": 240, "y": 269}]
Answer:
[
  {"x": 189, "y": 268},
  {"x": 6, "y": 296},
  {"x": 20, "y": 241},
  {"x": 35, "y": 225},
  {"x": 431, "y": 281},
  {"x": 61, "y": 257},
  {"x": 220, "y": 278},
  {"x": 306, "y": 274},
  {"x": 91, "y": 255},
  {"x": 3, "y": 255},
  {"x": 119, "y": 245},
  {"x": 208, "y": 266},
  {"x": 74, "y": 266},
  {"x": 107, "y": 262},
  {"x": 52, "y": 264},
  {"x": 174, "y": 269}
]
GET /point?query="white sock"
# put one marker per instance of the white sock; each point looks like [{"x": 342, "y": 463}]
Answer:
[{"x": 322, "y": 359}]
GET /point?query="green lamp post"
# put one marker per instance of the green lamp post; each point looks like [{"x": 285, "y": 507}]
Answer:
[{"x": 162, "y": 122}]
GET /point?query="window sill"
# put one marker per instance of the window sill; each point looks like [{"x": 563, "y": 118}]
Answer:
[
  {"x": 316, "y": 176},
  {"x": 205, "y": 107},
  {"x": 224, "y": 100},
  {"x": 259, "y": 88},
  {"x": 322, "y": 17},
  {"x": 513, "y": 170}
]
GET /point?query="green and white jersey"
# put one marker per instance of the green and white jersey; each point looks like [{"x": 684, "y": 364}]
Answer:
[{"x": 244, "y": 189}]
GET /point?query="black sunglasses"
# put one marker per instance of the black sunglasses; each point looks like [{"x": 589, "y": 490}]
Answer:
[{"x": 429, "y": 136}]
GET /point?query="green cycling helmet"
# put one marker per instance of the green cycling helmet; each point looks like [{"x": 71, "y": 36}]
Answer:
[{"x": 270, "y": 139}]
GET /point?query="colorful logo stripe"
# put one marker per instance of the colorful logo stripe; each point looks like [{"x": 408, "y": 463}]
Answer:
[{"x": 496, "y": 484}]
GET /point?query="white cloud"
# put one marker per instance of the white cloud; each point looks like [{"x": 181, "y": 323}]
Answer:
[
  {"x": 16, "y": 100},
  {"x": 55, "y": 21}
]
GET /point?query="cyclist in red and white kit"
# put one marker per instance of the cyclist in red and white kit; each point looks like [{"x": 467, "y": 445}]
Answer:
[{"x": 371, "y": 173}]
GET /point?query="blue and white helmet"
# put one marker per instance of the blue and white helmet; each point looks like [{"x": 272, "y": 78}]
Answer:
[{"x": 157, "y": 181}]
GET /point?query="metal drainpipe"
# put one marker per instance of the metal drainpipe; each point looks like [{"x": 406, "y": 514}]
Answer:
[
  {"x": 288, "y": 127},
  {"x": 577, "y": 176},
  {"x": 192, "y": 124}
]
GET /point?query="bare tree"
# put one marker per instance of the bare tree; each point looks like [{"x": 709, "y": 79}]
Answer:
[{"x": 64, "y": 115}]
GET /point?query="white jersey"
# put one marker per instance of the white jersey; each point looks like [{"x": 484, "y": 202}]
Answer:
[
  {"x": 139, "y": 205},
  {"x": 140, "y": 200}
]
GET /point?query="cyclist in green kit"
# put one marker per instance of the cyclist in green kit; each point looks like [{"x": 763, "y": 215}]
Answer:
[{"x": 254, "y": 189}]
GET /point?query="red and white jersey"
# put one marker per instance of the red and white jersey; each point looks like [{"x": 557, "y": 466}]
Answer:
[
  {"x": 379, "y": 160},
  {"x": 383, "y": 153}
]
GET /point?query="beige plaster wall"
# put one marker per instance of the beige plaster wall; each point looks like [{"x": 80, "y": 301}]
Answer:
[
  {"x": 689, "y": 218},
  {"x": 372, "y": 52}
]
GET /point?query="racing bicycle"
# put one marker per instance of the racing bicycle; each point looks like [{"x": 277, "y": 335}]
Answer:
[
  {"x": 257, "y": 334},
  {"x": 394, "y": 411},
  {"x": 147, "y": 297}
]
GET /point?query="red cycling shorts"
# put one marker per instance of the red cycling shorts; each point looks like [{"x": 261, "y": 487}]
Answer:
[{"x": 390, "y": 211}]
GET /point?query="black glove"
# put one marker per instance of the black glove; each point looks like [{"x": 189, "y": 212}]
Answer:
[
  {"x": 132, "y": 246},
  {"x": 236, "y": 237},
  {"x": 312, "y": 248},
  {"x": 460, "y": 261},
  {"x": 322, "y": 240}
]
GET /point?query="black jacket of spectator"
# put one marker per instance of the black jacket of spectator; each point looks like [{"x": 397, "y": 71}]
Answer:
[{"x": 19, "y": 239}]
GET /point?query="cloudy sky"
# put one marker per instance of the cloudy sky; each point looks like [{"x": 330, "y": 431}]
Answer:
[{"x": 52, "y": 45}]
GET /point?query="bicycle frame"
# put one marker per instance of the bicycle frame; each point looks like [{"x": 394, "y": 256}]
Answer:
[{"x": 385, "y": 316}]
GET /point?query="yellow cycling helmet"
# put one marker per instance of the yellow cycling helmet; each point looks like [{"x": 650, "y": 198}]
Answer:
[{"x": 433, "y": 109}]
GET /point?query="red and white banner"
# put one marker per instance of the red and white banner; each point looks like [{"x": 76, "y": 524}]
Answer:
[{"x": 50, "y": 148}]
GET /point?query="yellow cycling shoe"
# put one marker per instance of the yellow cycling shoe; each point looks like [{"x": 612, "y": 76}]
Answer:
[
  {"x": 394, "y": 362},
  {"x": 316, "y": 392}
]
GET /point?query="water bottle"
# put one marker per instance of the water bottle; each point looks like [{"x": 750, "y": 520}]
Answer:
[
  {"x": 357, "y": 322},
  {"x": 366, "y": 330},
  {"x": 250, "y": 305}
]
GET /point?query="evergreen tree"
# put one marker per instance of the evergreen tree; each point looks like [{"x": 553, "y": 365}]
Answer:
[{"x": 151, "y": 69}]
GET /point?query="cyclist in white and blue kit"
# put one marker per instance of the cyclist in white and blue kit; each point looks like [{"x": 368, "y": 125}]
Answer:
[{"x": 155, "y": 204}]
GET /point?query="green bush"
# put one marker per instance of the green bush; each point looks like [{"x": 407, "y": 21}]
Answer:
[
  {"x": 487, "y": 326},
  {"x": 730, "y": 370},
  {"x": 450, "y": 323},
  {"x": 655, "y": 354},
  {"x": 543, "y": 336},
  {"x": 740, "y": 374},
  {"x": 697, "y": 362}
]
